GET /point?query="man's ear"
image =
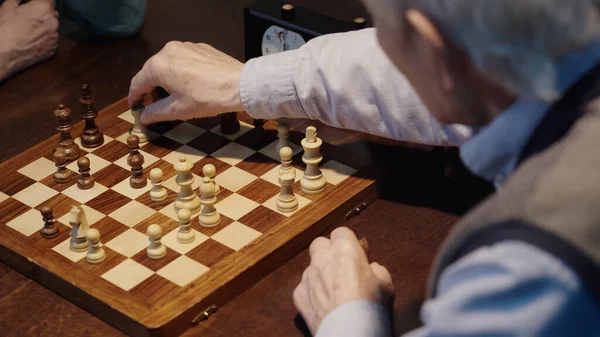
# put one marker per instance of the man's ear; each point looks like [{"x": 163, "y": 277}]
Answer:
[{"x": 433, "y": 40}]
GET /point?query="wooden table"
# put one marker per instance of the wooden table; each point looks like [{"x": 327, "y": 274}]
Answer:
[{"x": 404, "y": 227}]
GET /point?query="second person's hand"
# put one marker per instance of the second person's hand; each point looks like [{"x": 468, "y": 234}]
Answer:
[{"x": 201, "y": 80}]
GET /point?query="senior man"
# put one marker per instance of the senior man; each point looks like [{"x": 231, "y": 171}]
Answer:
[{"x": 515, "y": 83}]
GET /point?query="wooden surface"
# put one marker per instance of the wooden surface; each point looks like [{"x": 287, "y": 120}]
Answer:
[{"x": 404, "y": 227}]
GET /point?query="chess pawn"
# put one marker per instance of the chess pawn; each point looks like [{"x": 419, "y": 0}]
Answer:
[
  {"x": 49, "y": 230},
  {"x": 186, "y": 198},
  {"x": 139, "y": 129},
  {"x": 91, "y": 136},
  {"x": 285, "y": 156},
  {"x": 283, "y": 133},
  {"x": 210, "y": 171},
  {"x": 209, "y": 217},
  {"x": 229, "y": 123},
  {"x": 96, "y": 253},
  {"x": 66, "y": 142},
  {"x": 286, "y": 200},
  {"x": 136, "y": 161},
  {"x": 158, "y": 192},
  {"x": 156, "y": 250},
  {"x": 86, "y": 180},
  {"x": 313, "y": 181},
  {"x": 185, "y": 233},
  {"x": 62, "y": 175}
]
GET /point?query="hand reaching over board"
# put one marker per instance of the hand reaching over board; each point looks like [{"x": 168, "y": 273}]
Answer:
[{"x": 201, "y": 80}]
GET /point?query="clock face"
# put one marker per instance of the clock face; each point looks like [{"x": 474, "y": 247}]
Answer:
[{"x": 277, "y": 39}]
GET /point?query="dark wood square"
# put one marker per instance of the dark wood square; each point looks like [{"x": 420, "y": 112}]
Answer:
[
  {"x": 60, "y": 204},
  {"x": 153, "y": 289},
  {"x": 259, "y": 190},
  {"x": 157, "y": 205},
  {"x": 257, "y": 138},
  {"x": 50, "y": 155},
  {"x": 112, "y": 151},
  {"x": 49, "y": 181},
  {"x": 143, "y": 259},
  {"x": 225, "y": 221},
  {"x": 207, "y": 123},
  {"x": 208, "y": 142},
  {"x": 165, "y": 166},
  {"x": 220, "y": 166},
  {"x": 12, "y": 208},
  {"x": 111, "y": 260},
  {"x": 108, "y": 202},
  {"x": 13, "y": 182},
  {"x": 164, "y": 127},
  {"x": 262, "y": 219},
  {"x": 114, "y": 127},
  {"x": 210, "y": 252},
  {"x": 109, "y": 229},
  {"x": 161, "y": 146},
  {"x": 64, "y": 232},
  {"x": 257, "y": 164},
  {"x": 167, "y": 224},
  {"x": 111, "y": 175},
  {"x": 223, "y": 193}
]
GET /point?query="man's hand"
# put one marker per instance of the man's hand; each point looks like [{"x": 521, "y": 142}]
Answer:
[
  {"x": 339, "y": 272},
  {"x": 201, "y": 81},
  {"x": 28, "y": 34}
]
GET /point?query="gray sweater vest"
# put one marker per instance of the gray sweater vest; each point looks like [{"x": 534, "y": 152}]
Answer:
[{"x": 553, "y": 198}]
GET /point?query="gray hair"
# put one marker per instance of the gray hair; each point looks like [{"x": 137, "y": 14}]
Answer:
[{"x": 516, "y": 42}]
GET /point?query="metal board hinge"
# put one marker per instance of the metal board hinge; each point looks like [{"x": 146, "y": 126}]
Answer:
[
  {"x": 356, "y": 210},
  {"x": 204, "y": 314}
]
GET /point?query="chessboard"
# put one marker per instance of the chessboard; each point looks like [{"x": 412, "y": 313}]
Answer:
[{"x": 143, "y": 266}]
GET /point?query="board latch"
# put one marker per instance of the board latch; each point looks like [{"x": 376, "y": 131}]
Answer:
[
  {"x": 204, "y": 314},
  {"x": 356, "y": 210}
]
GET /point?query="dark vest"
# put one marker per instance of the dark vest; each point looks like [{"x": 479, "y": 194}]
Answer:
[{"x": 552, "y": 200}]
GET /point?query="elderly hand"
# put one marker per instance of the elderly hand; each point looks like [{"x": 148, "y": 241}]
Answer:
[
  {"x": 339, "y": 272},
  {"x": 28, "y": 34},
  {"x": 201, "y": 81}
]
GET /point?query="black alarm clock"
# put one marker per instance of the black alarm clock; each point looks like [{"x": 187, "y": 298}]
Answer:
[{"x": 273, "y": 26}]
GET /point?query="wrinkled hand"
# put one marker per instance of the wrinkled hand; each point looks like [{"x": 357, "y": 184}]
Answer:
[
  {"x": 339, "y": 272},
  {"x": 201, "y": 81},
  {"x": 29, "y": 34}
]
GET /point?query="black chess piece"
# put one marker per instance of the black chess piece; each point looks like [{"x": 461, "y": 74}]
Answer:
[
  {"x": 49, "y": 230},
  {"x": 86, "y": 180},
  {"x": 62, "y": 175},
  {"x": 91, "y": 136},
  {"x": 229, "y": 123},
  {"x": 66, "y": 142},
  {"x": 136, "y": 161}
]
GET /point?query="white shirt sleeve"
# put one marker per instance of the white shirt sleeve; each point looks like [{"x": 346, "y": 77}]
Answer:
[{"x": 344, "y": 80}]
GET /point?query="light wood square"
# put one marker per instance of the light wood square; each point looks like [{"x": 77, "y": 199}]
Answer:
[
  {"x": 96, "y": 164},
  {"x": 3, "y": 197},
  {"x": 171, "y": 183},
  {"x": 184, "y": 132},
  {"x": 170, "y": 240},
  {"x": 273, "y": 175},
  {"x": 232, "y": 153},
  {"x": 64, "y": 249},
  {"x": 27, "y": 223},
  {"x": 182, "y": 270},
  {"x": 127, "y": 116},
  {"x": 336, "y": 172},
  {"x": 123, "y": 138},
  {"x": 35, "y": 194},
  {"x": 235, "y": 206},
  {"x": 244, "y": 127},
  {"x": 128, "y": 243},
  {"x": 84, "y": 196},
  {"x": 91, "y": 214},
  {"x": 271, "y": 150},
  {"x": 234, "y": 178},
  {"x": 236, "y": 235},
  {"x": 169, "y": 211},
  {"x": 148, "y": 160},
  {"x": 132, "y": 213},
  {"x": 127, "y": 274},
  {"x": 107, "y": 140},
  {"x": 39, "y": 169},
  {"x": 272, "y": 204},
  {"x": 192, "y": 155},
  {"x": 133, "y": 193}
]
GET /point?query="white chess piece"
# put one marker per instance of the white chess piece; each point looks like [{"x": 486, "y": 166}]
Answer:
[
  {"x": 209, "y": 217},
  {"x": 139, "y": 129},
  {"x": 283, "y": 133},
  {"x": 79, "y": 229},
  {"x": 286, "y": 200},
  {"x": 158, "y": 192},
  {"x": 156, "y": 250},
  {"x": 313, "y": 181},
  {"x": 210, "y": 171},
  {"x": 186, "y": 198},
  {"x": 185, "y": 233},
  {"x": 285, "y": 156},
  {"x": 96, "y": 253}
]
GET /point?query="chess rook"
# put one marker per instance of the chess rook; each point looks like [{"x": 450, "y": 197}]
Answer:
[
  {"x": 283, "y": 133},
  {"x": 139, "y": 129},
  {"x": 209, "y": 217},
  {"x": 86, "y": 180},
  {"x": 96, "y": 253},
  {"x": 313, "y": 181},
  {"x": 136, "y": 161},
  {"x": 156, "y": 249},
  {"x": 210, "y": 171},
  {"x": 50, "y": 230},
  {"x": 158, "y": 192},
  {"x": 91, "y": 136},
  {"x": 79, "y": 228},
  {"x": 66, "y": 142},
  {"x": 229, "y": 123},
  {"x": 186, "y": 198},
  {"x": 185, "y": 233},
  {"x": 62, "y": 175}
]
